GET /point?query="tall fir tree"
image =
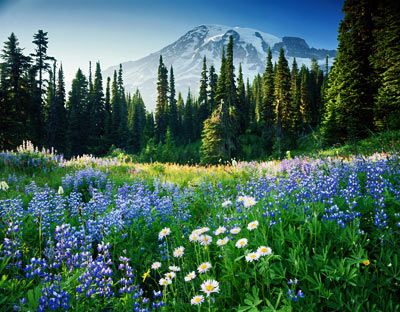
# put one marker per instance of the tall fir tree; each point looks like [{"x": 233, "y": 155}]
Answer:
[
  {"x": 116, "y": 111},
  {"x": 218, "y": 142},
  {"x": 107, "y": 116},
  {"x": 161, "y": 115},
  {"x": 97, "y": 111},
  {"x": 51, "y": 104},
  {"x": 42, "y": 65},
  {"x": 137, "y": 122},
  {"x": 282, "y": 104},
  {"x": 251, "y": 104},
  {"x": 316, "y": 81},
  {"x": 265, "y": 110},
  {"x": 230, "y": 85},
  {"x": 295, "y": 118},
  {"x": 213, "y": 79},
  {"x": 220, "y": 94},
  {"x": 243, "y": 109},
  {"x": 77, "y": 135},
  {"x": 149, "y": 129},
  {"x": 172, "y": 106},
  {"x": 123, "y": 124},
  {"x": 181, "y": 109},
  {"x": 204, "y": 109},
  {"x": 305, "y": 108},
  {"x": 350, "y": 91},
  {"x": 188, "y": 124},
  {"x": 14, "y": 80},
  {"x": 61, "y": 113},
  {"x": 386, "y": 63}
]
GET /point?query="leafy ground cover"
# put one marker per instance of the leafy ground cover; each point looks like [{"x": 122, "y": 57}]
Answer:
[{"x": 102, "y": 234}]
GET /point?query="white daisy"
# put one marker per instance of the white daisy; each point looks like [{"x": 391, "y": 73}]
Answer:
[
  {"x": 252, "y": 225},
  {"x": 174, "y": 268},
  {"x": 204, "y": 267},
  {"x": 220, "y": 230},
  {"x": 249, "y": 201},
  {"x": 210, "y": 286},
  {"x": 194, "y": 237},
  {"x": 222, "y": 241},
  {"x": 241, "y": 243},
  {"x": 170, "y": 275},
  {"x": 190, "y": 276},
  {"x": 179, "y": 251},
  {"x": 163, "y": 233},
  {"x": 235, "y": 230},
  {"x": 205, "y": 240},
  {"x": 264, "y": 250},
  {"x": 196, "y": 300},
  {"x": 164, "y": 281},
  {"x": 156, "y": 265},
  {"x": 252, "y": 256}
]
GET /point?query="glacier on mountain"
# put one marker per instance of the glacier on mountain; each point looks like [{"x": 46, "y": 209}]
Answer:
[{"x": 186, "y": 56}]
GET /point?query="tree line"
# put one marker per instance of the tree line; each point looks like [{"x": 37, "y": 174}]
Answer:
[{"x": 230, "y": 117}]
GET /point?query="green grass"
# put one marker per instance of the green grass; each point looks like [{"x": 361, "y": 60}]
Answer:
[{"x": 385, "y": 142}]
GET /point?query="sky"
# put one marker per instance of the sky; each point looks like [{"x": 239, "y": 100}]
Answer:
[{"x": 116, "y": 31}]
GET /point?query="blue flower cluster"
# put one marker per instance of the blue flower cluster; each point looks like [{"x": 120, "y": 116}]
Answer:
[
  {"x": 97, "y": 278},
  {"x": 53, "y": 298},
  {"x": 85, "y": 179}
]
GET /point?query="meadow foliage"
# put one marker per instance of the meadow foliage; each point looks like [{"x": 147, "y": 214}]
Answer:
[{"x": 300, "y": 234}]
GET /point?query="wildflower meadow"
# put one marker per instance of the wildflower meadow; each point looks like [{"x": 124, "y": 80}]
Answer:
[{"x": 98, "y": 234}]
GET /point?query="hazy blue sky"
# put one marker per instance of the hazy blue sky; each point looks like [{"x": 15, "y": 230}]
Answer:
[{"x": 116, "y": 31}]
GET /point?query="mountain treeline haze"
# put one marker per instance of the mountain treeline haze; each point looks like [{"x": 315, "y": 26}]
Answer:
[{"x": 230, "y": 118}]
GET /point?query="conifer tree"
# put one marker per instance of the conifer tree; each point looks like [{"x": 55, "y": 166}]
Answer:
[
  {"x": 137, "y": 122},
  {"x": 305, "y": 101},
  {"x": 42, "y": 64},
  {"x": 265, "y": 111},
  {"x": 204, "y": 109},
  {"x": 282, "y": 103},
  {"x": 242, "y": 105},
  {"x": 218, "y": 142},
  {"x": 36, "y": 129},
  {"x": 220, "y": 94},
  {"x": 350, "y": 91},
  {"x": 172, "y": 106},
  {"x": 123, "y": 125},
  {"x": 188, "y": 123},
  {"x": 250, "y": 103},
  {"x": 15, "y": 103},
  {"x": 181, "y": 110},
  {"x": 161, "y": 115},
  {"x": 149, "y": 128},
  {"x": 51, "y": 103},
  {"x": 116, "y": 111},
  {"x": 107, "y": 117},
  {"x": 61, "y": 113},
  {"x": 386, "y": 64},
  {"x": 42, "y": 60},
  {"x": 316, "y": 81},
  {"x": 213, "y": 78},
  {"x": 230, "y": 85},
  {"x": 77, "y": 107},
  {"x": 98, "y": 111},
  {"x": 295, "y": 102}
]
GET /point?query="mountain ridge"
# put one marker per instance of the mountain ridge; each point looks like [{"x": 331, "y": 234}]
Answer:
[{"x": 187, "y": 52}]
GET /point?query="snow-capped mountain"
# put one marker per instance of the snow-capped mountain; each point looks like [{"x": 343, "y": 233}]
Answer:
[{"x": 186, "y": 55}]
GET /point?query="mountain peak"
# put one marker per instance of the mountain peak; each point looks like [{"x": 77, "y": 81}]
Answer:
[{"x": 186, "y": 55}]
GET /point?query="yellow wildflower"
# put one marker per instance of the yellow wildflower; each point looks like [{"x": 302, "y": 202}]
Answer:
[
  {"x": 366, "y": 262},
  {"x": 146, "y": 275}
]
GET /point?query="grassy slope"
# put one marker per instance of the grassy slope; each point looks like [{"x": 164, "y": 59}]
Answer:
[{"x": 387, "y": 142}]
